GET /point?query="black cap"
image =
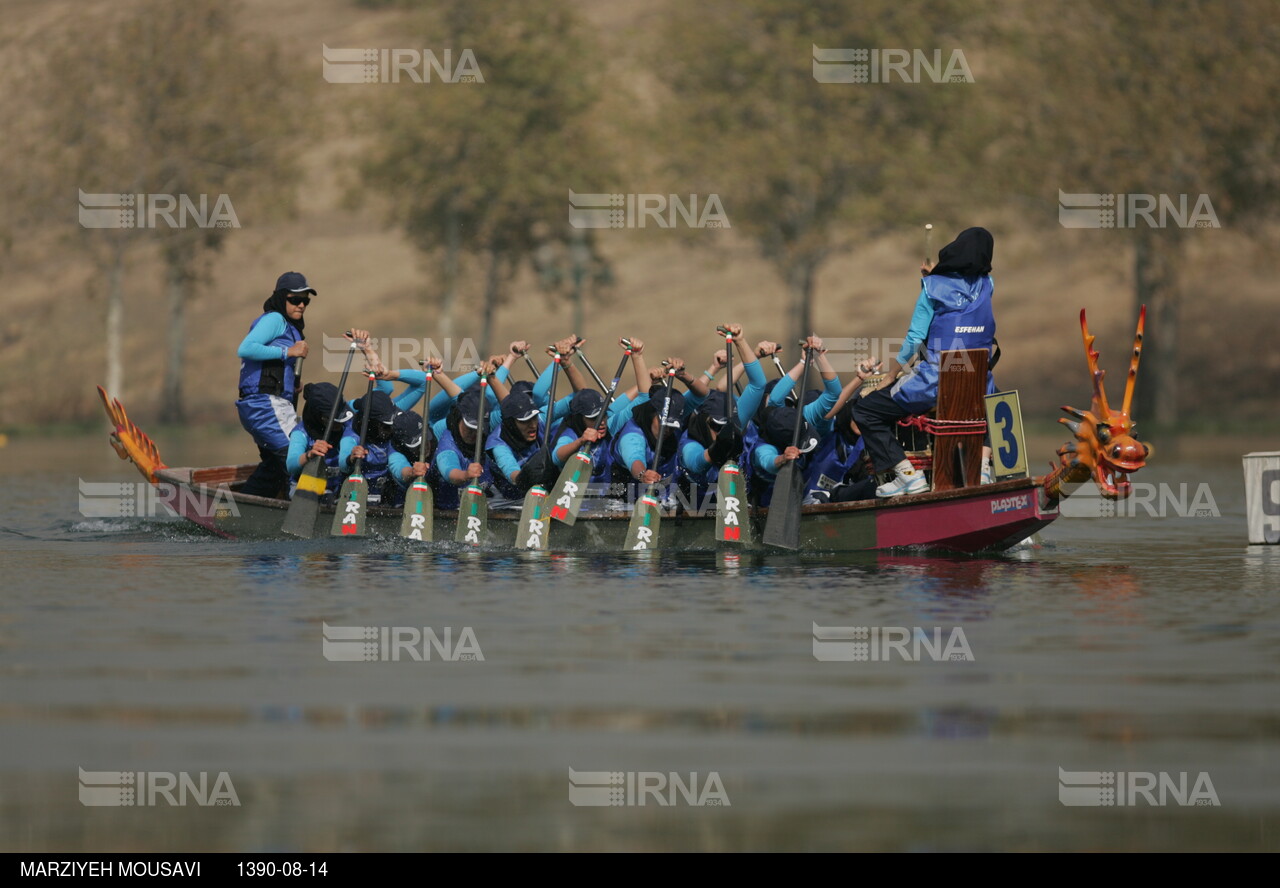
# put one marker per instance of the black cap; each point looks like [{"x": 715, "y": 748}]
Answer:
[
  {"x": 319, "y": 398},
  {"x": 676, "y": 411},
  {"x": 469, "y": 406},
  {"x": 406, "y": 430},
  {"x": 586, "y": 402},
  {"x": 518, "y": 406},
  {"x": 294, "y": 282},
  {"x": 714, "y": 407},
  {"x": 382, "y": 409},
  {"x": 781, "y": 425}
]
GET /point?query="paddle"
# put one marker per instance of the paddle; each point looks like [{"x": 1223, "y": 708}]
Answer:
[
  {"x": 729, "y": 498},
  {"x": 571, "y": 487},
  {"x": 782, "y": 526},
  {"x": 590, "y": 369},
  {"x": 533, "y": 368},
  {"x": 646, "y": 516},
  {"x": 349, "y": 518},
  {"x": 533, "y": 520},
  {"x": 473, "y": 508},
  {"x": 300, "y": 521},
  {"x": 791, "y": 395},
  {"x": 417, "y": 523}
]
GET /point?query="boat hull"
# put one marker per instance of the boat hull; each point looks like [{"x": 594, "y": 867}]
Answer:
[{"x": 976, "y": 519}]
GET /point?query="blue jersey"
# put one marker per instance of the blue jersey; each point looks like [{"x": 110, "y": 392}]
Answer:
[
  {"x": 265, "y": 367},
  {"x": 451, "y": 456},
  {"x": 962, "y": 319}
]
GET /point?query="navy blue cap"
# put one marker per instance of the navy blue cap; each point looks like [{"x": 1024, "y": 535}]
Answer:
[
  {"x": 586, "y": 402},
  {"x": 406, "y": 429},
  {"x": 714, "y": 407},
  {"x": 675, "y": 413},
  {"x": 469, "y": 406},
  {"x": 781, "y": 425},
  {"x": 294, "y": 282},
  {"x": 519, "y": 406}
]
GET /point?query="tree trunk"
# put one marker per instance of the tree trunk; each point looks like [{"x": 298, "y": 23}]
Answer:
[
  {"x": 449, "y": 298},
  {"x": 800, "y": 319},
  {"x": 492, "y": 283},
  {"x": 115, "y": 324},
  {"x": 1155, "y": 285},
  {"x": 172, "y": 408}
]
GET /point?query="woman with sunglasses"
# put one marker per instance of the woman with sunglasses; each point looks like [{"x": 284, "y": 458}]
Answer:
[{"x": 269, "y": 383}]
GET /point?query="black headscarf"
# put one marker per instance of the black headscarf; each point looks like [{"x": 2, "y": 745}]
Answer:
[
  {"x": 276, "y": 302},
  {"x": 968, "y": 256}
]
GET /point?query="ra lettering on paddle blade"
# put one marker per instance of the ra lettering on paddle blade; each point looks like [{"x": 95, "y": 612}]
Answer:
[
  {"x": 531, "y": 533},
  {"x": 645, "y": 521},
  {"x": 729, "y": 504},
  {"x": 473, "y": 513},
  {"x": 571, "y": 488},
  {"x": 419, "y": 506},
  {"x": 349, "y": 514}
]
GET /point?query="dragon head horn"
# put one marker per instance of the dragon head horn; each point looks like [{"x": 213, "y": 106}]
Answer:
[
  {"x": 1133, "y": 363},
  {"x": 1091, "y": 356}
]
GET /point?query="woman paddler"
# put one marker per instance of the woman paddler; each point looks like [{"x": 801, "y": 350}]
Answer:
[
  {"x": 268, "y": 381},
  {"x": 953, "y": 312}
]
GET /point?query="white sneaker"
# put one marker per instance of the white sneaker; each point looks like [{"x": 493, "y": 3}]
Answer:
[
  {"x": 903, "y": 485},
  {"x": 988, "y": 475}
]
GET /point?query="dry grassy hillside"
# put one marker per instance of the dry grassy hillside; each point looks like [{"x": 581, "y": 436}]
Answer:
[{"x": 672, "y": 295}]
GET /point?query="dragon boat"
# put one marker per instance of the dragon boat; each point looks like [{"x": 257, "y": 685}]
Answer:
[{"x": 958, "y": 513}]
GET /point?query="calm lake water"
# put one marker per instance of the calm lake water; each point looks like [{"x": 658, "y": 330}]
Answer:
[{"x": 1132, "y": 644}]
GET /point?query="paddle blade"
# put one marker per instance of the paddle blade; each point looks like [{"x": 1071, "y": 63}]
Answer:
[
  {"x": 730, "y": 504},
  {"x": 534, "y": 520},
  {"x": 300, "y": 521},
  {"x": 350, "y": 514},
  {"x": 645, "y": 519},
  {"x": 473, "y": 515},
  {"x": 419, "y": 505},
  {"x": 571, "y": 488},
  {"x": 782, "y": 526}
]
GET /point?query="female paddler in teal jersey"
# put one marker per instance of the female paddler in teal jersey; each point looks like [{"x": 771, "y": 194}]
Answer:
[{"x": 269, "y": 383}]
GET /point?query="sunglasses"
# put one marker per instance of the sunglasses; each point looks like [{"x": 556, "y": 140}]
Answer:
[{"x": 302, "y": 299}]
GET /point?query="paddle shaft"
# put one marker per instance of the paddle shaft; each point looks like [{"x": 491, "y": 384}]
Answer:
[
  {"x": 804, "y": 376},
  {"x": 551, "y": 403},
  {"x": 533, "y": 368},
  {"x": 592, "y": 370},
  {"x": 728, "y": 389},
  {"x": 337, "y": 402},
  {"x": 484, "y": 405},
  {"x": 358, "y": 465},
  {"x": 613, "y": 392},
  {"x": 426, "y": 415},
  {"x": 662, "y": 425}
]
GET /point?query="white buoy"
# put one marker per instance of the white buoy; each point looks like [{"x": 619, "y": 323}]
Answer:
[{"x": 1262, "y": 496}]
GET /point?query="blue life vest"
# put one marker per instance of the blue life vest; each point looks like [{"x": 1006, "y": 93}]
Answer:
[
  {"x": 759, "y": 484},
  {"x": 376, "y": 461},
  {"x": 962, "y": 319},
  {"x": 622, "y": 473},
  {"x": 332, "y": 473},
  {"x": 501, "y": 483},
  {"x": 831, "y": 461},
  {"x": 272, "y": 377},
  {"x": 600, "y": 456},
  {"x": 448, "y": 493}
]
